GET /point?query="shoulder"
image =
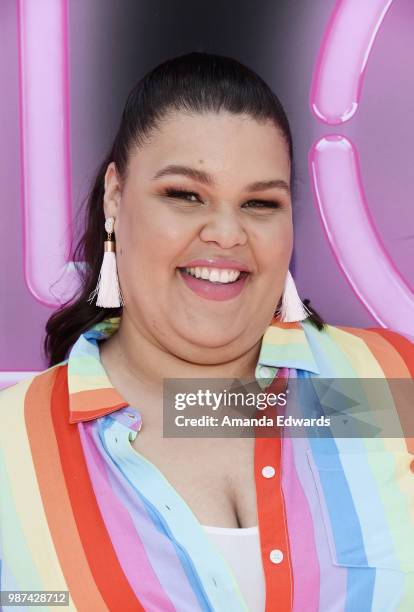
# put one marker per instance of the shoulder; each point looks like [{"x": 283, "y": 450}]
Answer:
[
  {"x": 387, "y": 341},
  {"x": 36, "y": 388},
  {"x": 373, "y": 349}
]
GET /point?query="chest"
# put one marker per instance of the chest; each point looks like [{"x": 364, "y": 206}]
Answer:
[{"x": 214, "y": 476}]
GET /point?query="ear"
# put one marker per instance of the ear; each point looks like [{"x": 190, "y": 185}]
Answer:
[{"x": 113, "y": 192}]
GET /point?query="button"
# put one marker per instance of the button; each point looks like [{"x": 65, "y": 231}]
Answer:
[
  {"x": 268, "y": 471},
  {"x": 412, "y": 466},
  {"x": 265, "y": 372},
  {"x": 276, "y": 555}
]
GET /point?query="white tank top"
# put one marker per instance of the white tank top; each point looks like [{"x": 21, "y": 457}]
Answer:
[{"x": 241, "y": 549}]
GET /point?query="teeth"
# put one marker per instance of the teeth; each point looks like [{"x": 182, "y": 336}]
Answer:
[{"x": 214, "y": 275}]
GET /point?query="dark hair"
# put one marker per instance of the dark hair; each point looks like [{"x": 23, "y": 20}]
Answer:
[{"x": 195, "y": 82}]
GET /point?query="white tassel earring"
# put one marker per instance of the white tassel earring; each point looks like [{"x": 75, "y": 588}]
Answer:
[
  {"x": 292, "y": 308},
  {"x": 108, "y": 289}
]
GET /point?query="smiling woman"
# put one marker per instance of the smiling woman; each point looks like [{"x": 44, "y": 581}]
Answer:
[
  {"x": 205, "y": 220},
  {"x": 198, "y": 180},
  {"x": 96, "y": 498}
]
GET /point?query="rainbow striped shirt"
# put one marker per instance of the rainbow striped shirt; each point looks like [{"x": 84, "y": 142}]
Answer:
[{"x": 82, "y": 511}]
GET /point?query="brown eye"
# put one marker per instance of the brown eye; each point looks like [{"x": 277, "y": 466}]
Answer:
[
  {"x": 190, "y": 196},
  {"x": 262, "y": 204}
]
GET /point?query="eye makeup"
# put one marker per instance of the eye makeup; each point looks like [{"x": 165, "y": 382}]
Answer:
[{"x": 192, "y": 196}]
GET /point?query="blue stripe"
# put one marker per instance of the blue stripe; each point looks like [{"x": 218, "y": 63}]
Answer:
[
  {"x": 346, "y": 530},
  {"x": 360, "y": 590},
  {"x": 198, "y": 556}
]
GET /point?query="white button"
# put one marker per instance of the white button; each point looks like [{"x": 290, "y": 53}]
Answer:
[
  {"x": 265, "y": 372},
  {"x": 268, "y": 471},
  {"x": 276, "y": 555}
]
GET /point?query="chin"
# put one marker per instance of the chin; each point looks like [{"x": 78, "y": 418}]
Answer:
[{"x": 210, "y": 335}]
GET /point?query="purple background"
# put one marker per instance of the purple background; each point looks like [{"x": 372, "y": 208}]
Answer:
[{"x": 113, "y": 43}]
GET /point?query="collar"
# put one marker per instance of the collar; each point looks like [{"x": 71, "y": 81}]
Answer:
[{"x": 91, "y": 393}]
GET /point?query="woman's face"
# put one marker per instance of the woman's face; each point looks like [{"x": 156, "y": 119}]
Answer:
[{"x": 203, "y": 227}]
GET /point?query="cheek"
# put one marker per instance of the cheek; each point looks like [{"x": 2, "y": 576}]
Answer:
[
  {"x": 274, "y": 248},
  {"x": 154, "y": 240}
]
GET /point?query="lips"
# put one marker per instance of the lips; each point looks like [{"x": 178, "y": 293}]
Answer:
[
  {"x": 216, "y": 276},
  {"x": 217, "y": 263},
  {"x": 219, "y": 290}
]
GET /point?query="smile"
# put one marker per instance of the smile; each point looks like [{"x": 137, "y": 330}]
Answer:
[
  {"x": 214, "y": 283},
  {"x": 214, "y": 275}
]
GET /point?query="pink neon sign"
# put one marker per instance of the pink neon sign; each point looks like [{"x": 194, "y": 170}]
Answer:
[
  {"x": 334, "y": 167},
  {"x": 343, "y": 55},
  {"x": 44, "y": 128}
]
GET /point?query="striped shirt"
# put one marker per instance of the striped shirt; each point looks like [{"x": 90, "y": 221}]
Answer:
[{"x": 82, "y": 511}]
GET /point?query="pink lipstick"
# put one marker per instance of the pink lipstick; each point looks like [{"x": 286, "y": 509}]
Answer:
[{"x": 215, "y": 279}]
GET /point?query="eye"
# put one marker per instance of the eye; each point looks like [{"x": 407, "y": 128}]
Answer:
[
  {"x": 182, "y": 194},
  {"x": 262, "y": 204}
]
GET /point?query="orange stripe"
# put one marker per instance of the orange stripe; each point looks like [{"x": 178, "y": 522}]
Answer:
[
  {"x": 100, "y": 554},
  {"x": 390, "y": 362},
  {"x": 95, "y": 402},
  {"x": 272, "y": 516},
  {"x": 56, "y": 503},
  {"x": 405, "y": 350},
  {"x": 89, "y": 415},
  {"x": 285, "y": 325},
  {"x": 402, "y": 345}
]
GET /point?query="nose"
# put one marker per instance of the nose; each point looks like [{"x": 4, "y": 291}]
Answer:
[{"x": 225, "y": 228}]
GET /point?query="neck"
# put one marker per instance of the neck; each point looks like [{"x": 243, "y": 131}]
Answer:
[{"x": 149, "y": 363}]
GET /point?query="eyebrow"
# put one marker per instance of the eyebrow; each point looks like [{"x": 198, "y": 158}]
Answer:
[{"x": 207, "y": 179}]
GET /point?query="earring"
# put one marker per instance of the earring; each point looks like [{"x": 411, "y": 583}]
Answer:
[
  {"x": 292, "y": 308},
  {"x": 108, "y": 289}
]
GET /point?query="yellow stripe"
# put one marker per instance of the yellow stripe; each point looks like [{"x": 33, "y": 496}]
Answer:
[
  {"x": 26, "y": 495},
  {"x": 88, "y": 383},
  {"x": 366, "y": 366},
  {"x": 16, "y": 556},
  {"x": 278, "y": 336}
]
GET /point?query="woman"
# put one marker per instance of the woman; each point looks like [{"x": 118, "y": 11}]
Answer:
[{"x": 197, "y": 190}]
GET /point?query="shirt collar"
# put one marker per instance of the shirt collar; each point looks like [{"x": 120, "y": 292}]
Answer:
[{"x": 91, "y": 393}]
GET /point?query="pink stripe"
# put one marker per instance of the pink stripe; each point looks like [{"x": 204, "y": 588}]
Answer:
[
  {"x": 332, "y": 588},
  {"x": 304, "y": 556},
  {"x": 161, "y": 552},
  {"x": 126, "y": 542}
]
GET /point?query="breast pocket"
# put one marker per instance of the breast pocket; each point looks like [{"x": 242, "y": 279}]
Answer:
[{"x": 367, "y": 506}]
